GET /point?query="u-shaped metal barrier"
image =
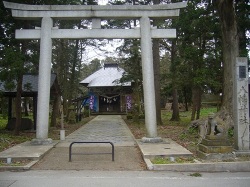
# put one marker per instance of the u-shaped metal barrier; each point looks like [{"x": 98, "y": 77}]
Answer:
[{"x": 70, "y": 149}]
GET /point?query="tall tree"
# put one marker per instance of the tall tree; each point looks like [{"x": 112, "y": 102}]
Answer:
[
  {"x": 230, "y": 47},
  {"x": 133, "y": 69},
  {"x": 175, "y": 103},
  {"x": 67, "y": 57},
  {"x": 156, "y": 61},
  {"x": 242, "y": 9},
  {"x": 194, "y": 45}
]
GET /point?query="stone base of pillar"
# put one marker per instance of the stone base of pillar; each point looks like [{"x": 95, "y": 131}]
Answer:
[
  {"x": 37, "y": 141},
  {"x": 151, "y": 140},
  {"x": 214, "y": 147},
  {"x": 242, "y": 153}
]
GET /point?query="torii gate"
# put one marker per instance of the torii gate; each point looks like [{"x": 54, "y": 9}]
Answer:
[{"x": 97, "y": 13}]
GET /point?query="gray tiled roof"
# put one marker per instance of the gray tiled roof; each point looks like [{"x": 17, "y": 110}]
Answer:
[
  {"x": 105, "y": 77},
  {"x": 30, "y": 83}
]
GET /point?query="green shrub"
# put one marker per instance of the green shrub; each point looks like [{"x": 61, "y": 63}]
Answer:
[
  {"x": 129, "y": 116},
  {"x": 231, "y": 132},
  {"x": 142, "y": 116},
  {"x": 86, "y": 113},
  {"x": 179, "y": 160},
  {"x": 72, "y": 117}
]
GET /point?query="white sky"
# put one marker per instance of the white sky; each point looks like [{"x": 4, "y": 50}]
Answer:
[
  {"x": 102, "y": 2},
  {"x": 92, "y": 52}
]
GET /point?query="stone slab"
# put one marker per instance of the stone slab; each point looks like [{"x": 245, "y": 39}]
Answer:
[
  {"x": 202, "y": 167},
  {"x": 166, "y": 148},
  {"x": 216, "y": 142},
  {"x": 27, "y": 151},
  {"x": 25, "y": 167}
]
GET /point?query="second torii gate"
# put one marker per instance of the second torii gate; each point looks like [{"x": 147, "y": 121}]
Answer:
[{"x": 144, "y": 13}]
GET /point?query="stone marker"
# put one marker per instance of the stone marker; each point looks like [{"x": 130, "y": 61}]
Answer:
[{"x": 241, "y": 105}]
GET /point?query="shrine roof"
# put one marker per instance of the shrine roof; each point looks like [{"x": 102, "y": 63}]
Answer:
[
  {"x": 107, "y": 76},
  {"x": 29, "y": 84}
]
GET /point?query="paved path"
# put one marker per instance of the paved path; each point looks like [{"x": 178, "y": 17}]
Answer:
[
  {"x": 102, "y": 128},
  {"x": 122, "y": 179},
  {"x": 110, "y": 128}
]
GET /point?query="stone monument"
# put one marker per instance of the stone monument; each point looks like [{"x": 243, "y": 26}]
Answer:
[
  {"x": 241, "y": 105},
  {"x": 215, "y": 145}
]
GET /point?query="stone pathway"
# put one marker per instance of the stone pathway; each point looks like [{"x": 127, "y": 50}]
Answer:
[{"x": 109, "y": 128}]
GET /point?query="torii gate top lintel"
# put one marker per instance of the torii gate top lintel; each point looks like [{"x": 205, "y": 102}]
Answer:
[{"x": 27, "y": 11}]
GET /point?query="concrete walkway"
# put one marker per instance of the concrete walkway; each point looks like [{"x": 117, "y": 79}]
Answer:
[
  {"x": 109, "y": 128},
  {"x": 106, "y": 128}
]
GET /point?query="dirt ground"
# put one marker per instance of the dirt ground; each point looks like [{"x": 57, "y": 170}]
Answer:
[{"x": 126, "y": 158}]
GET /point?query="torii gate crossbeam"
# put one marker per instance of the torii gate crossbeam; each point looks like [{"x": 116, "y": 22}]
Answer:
[{"x": 144, "y": 13}]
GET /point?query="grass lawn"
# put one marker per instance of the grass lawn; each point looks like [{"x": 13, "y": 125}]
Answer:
[
  {"x": 3, "y": 122},
  {"x": 179, "y": 160}
]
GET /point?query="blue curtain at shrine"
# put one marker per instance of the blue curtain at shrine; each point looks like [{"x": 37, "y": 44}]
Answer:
[{"x": 92, "y": 100}]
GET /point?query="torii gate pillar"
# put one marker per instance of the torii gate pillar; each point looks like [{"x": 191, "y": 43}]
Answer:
[
  {"x": 148, "y": 79},
  {"x": 44, "y": 83}
]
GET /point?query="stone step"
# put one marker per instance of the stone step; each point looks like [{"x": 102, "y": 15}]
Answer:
[
  {"x": 218, "y": 142},
  {"x": 215, "y": 156},
  {"x": 215, "y": 149}
]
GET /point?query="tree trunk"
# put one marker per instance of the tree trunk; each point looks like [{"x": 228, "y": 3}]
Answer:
[
  {"x": 175, "y": 104},
  {"x": 156, "y": 64},
  {"x": 242, "y": 12},
  {"x": 73, "y": 71},
  {"x": 175, "y": 114},
  {"x": 194, "y": 105},
  {"x": 185, "y": 99},
  {"x": 230, "y": 49},
  {"x": 198, "y": 107},
  {"x": 196, "y": 100},
  {"x": 55, "y": 110},
  {"x": 156, "y": 60},
  {"x": 18, "y": 105},
  {"x": 137, "y": 110}
]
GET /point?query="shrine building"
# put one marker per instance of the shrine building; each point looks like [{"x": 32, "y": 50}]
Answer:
[{"x": 106, "y": 94}]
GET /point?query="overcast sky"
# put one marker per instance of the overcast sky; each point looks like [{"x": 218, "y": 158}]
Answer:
[
  {"x": 92, "y": 52},
  {"x": 102, "y": 2}
]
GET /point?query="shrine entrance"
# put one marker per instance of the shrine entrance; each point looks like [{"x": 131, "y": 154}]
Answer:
[
  {"x": 109, "y": 103},
  {"x": 97, "y": 13}
]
